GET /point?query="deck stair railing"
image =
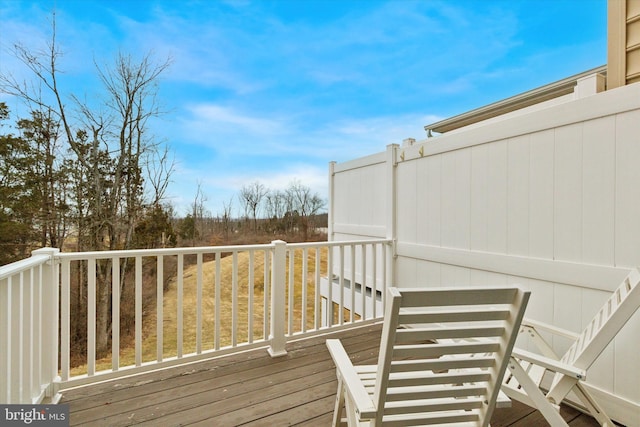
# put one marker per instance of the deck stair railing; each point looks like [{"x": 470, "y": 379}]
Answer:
[{"x": 177, "y": 305}]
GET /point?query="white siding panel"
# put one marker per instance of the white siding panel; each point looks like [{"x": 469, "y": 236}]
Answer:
[
  {"x": 518, "y": 196},
  {"x": 568, "y": 193},
  {"x": 408, "y": 189},
  {"x": 479, "y": 197},
  {"x": 433, "y": 195},
  {"x": 406, "y": 273},
  {"x": 456, "y": 198},
  {"x": 497, "y": 198},
  {"x": 428, "y": 273},
  {"x": 627, "y": 233},
  {"x": 567, "y": 314},
  {"x": 541, "y": 195},
  {"x": 455, "y": 276},
  {"x": 341, "y": 203},
  {"x": 422, "y": 200},
  {"x": 447, "y": 197},
  {"x": 627, "y": 350},
  {"x": 378, "y": 198},
  {"x": 598, "y": 203}
]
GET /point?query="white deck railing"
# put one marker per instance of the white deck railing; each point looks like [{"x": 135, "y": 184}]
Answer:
[{"x": 276, "y": 292}]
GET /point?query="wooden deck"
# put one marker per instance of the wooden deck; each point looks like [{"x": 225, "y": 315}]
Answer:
[{"x": 249, "y": 389}]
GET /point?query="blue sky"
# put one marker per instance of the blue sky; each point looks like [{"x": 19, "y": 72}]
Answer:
[{"x": 273, "y": 90}]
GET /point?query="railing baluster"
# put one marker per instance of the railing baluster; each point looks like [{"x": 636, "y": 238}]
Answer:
[
  {"x": 91, "y": 317},
  {"x": 363, "y": 285},
  {"x": 115, "y": 313},
  {"x": 216, "y": 344},
  {"x": 199, "y": 305},
  {"x": 352, "y": 279},
  {"x": 22, "y": 333},
  {"x": 266, "y": 291},
  {"x": 317, "y": 318},
  {"x": 250, "y": 285},
  {"x": 159, "y": 307},
  {"x": 305, "y": 266},
  {"x": 5, "y": 307},
  {"x": 29, "y": 301},
  {"x": 374, "y": 280},
  {"x": 329, "y": 315},
  {"x": 341, "y": 306},
  {"x": 291, "y": 291},
  {"x": 179, "y": 314},
  {"x": 234, "y": 300},
  {"x": 138, "y": 310},
  {"x": 37, "y": 331},
  {"x": 11, "y": 382},
  {"x": 65, "y": 319}
]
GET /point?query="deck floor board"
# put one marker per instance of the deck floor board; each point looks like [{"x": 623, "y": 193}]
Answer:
[{"x": 251, "y": 389}]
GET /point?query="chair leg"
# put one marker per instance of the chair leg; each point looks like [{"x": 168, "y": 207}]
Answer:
[
  {"x": 339, "y": 405},
  {"x": 545, "y": 407},
  {"x": 592, "y": 406}
]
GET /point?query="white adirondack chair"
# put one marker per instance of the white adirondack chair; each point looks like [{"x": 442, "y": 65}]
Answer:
[
  {"x": 415, "y": 382},
  {"x": 527, "y": 370}
]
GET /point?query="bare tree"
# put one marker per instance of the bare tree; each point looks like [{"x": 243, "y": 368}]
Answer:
[
  {"x": 226, "y": 218},
  {"x": 159, "y": 165},
  {"x": 251, "y": 196},
  {"x": 108, "y": 147},
  {"x": 305, "y": 203}
]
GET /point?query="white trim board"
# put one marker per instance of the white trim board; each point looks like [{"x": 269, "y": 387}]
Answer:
[{"x": 600, "y": 277}]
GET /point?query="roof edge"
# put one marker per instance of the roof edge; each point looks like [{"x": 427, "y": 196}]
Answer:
[{"x": 526, "y": 99}]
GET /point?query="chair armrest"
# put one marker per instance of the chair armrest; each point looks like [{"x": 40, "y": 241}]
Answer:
[
  {"x": 550, "y": 364},
  {"x": 541, "y": 326},
  {"x": 365, "y": 409}
]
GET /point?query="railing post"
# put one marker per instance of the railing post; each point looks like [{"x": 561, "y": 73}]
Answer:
[
  {"x": 278, "y": 307},
  {"x": 392, "y": 206},
  {"x": 50, "y": 317}
]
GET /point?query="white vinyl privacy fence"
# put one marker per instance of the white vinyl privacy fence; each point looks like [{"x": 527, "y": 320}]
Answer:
[{"x": 549, "y": 200}]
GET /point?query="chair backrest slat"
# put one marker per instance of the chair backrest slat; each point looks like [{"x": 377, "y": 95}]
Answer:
[
  {"x": 605, "y": 325},
  {"x": 445, "y": 348}
]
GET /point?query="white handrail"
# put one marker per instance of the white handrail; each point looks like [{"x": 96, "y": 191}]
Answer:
[{"x": 299, "y": 283}]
